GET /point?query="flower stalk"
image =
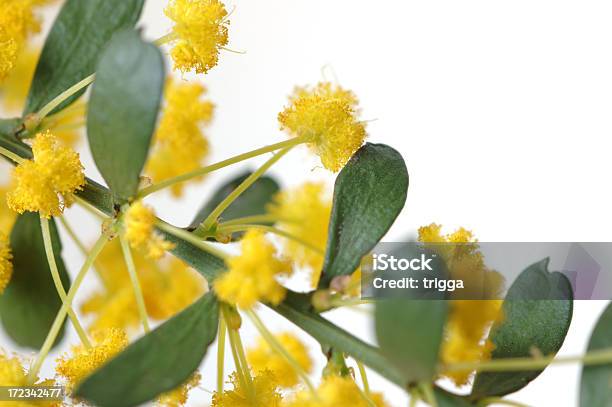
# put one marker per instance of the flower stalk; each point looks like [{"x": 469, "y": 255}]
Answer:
[
  {"x": 57, "y": 281},
  {"x": 129, "y": 262},
  {"x": 61, "y": 315},
  {"x": 221, "y": 164},
  {"x": 214, "y": 215}
]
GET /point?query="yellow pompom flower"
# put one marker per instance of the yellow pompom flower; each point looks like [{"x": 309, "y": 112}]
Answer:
[
  {"x": 178, "y": 397},
  {"x": 6, "y": 267},
  {"x": 140, "y": 231},
  {"x": 336, "y": 391},
  {"x": 326, "y": 116},
  {"x": 304, "y": 212},
  {"x": 200, "y": 31},
  {"x": 167, "y": 286},
  {"x": 179, "y": 145},
  {"x": 251, "y": 276},
  {"x": 469, "y": 320},
  {"x": 263, "y": 357},
  {"x": 13, "y": 374},
  {"x": 76, "y": 367},
  {"x": 265, "y": 388},
  {"x": 47, "y": 183}
]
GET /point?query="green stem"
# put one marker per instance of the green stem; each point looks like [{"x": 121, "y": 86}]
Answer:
[
  {"x": 242, "y": 368},
  {"x": 595, "y": 357},
  {"x": 264, "y": 218},
  {"x": 364, "y": 377},
  {"x": 212, "y": 217},
  {"x": 57, "y": 280},
  {"x": 9, "y": 154},
  {"x": 91, "y": 208},
  {"x": 414, "y": 397},
  {"x": 77, "y": 241},
  {"x": 171, "y": 36},
  {"x": 221, "y": 354},
  {"x": 499, "y": 400},
  {"x": 428, "y": 394},
  {"x": 61, "y": 315},
  {"x": 190, "y": 238},
  {"x": 129, "y": 262},
  {"x": 350, "y": 302},
  {"x": 271, "y": 229},
  {"x": 221, "y": 164},
  {"x": 278, "y": 348},
  {"x": 59, "y": 99}
]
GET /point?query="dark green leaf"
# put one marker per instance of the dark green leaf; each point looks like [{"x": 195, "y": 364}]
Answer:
[
  {"x": 331, "y": 336},
  {"x": 73, "y": 46},
  {"x": 123, "y": 110},
  {"x": 30, "y": 302},
  {"x": 9, "y": 127},
  {"x": 409, "y": 332},
  {"x": 251, "y": 202},
  {"x": 537, "y": 315},
  {"x": 596, "y": 382},
  {"x": 369, "y": 194},
  {"x": 158, "y": 362}
]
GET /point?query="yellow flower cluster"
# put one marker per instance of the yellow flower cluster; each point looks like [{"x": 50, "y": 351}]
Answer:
[
  {"x": 167, "y": 287},
  {"x": 251, "y": 276},
  {"x": 6, "y": 267},
  {"x": 179, "y": 144},
  {"x": 265, "y": 388},
  {"x": 469, "y": 320},
  {"x": 140, "y": 231},
  {"x": 263, "y": 357},
  {"x": 326, "y": 115},
  {"x": 304, "y": 212},
  {"x": 47, "y": 183},
  {"x": 336, "y": 391},
  {"x": 17, "y": 23},
  {"x": 178, "y": 396},
  {"x": 12, "y": 374},
  {"x": 200, "y": 30},
  {"x": 84, "y": 361}
]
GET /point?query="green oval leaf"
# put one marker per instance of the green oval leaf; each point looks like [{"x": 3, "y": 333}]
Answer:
[
  {"x": 596, "y": 383},
  {"x": 409, "y": 332},
  {"x": 30, "y": 303},
  {"x": 123, "y": 110},
  {"x": 158, "y": 362},
  {"x": 369, "y": 194},
  {"x": 251, "y": 202},
  {"x": 537, "y": 315},
  {"x": 72, "y": 49}
]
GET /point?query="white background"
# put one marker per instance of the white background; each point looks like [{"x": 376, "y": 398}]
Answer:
[{"x": 500, "y": 109}]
